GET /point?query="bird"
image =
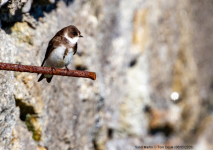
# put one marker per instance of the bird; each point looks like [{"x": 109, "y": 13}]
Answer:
[{"x": 60, "y": 50}]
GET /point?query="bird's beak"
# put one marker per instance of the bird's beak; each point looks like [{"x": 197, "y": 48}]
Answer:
[{"x": 80, "y": 36}]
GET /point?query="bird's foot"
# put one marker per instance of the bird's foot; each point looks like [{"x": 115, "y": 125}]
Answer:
[
  {"x": 53, "y": 68},
  {"x": 67, "y": 68}
]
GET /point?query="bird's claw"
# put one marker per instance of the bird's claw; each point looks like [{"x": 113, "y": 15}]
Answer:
[
  {"x": 66, "y": 68},
  {"x": 53, "y": 68}
]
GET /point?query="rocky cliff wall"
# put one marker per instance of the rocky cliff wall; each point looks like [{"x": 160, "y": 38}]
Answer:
[{"x": 145, "y": 54}]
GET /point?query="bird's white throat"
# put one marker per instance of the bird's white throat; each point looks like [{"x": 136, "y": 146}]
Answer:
[{"x": 72, "y": 40}]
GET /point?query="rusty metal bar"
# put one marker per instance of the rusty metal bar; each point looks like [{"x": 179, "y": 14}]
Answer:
[{"x": 47, "y": 70}]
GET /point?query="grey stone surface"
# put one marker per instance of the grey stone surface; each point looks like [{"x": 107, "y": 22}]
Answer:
[{"x": 8, "y": 113}]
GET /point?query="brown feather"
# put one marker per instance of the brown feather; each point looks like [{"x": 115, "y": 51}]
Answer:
[
  {"x": 65, "y": 53},
  {"x": 69, "y": 29},
  {"x": 75, "y": 48}
]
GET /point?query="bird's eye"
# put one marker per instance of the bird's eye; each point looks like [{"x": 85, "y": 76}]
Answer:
[{"x": 74, "y": 33}]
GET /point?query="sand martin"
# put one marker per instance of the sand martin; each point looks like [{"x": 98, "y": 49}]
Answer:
[{"x": 60, "y": 50}]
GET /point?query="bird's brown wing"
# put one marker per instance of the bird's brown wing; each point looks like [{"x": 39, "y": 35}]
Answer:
[
  {"x": 75, "y": 48},
  {"x": 54, "y": 42}
]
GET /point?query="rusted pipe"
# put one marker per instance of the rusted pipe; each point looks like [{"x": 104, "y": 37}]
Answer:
[{"x": 47, "y": 70}]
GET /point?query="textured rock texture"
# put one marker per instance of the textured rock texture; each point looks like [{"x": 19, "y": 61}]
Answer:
[
  {"x": 9, "y": 113},
  {"x": 144, "y": 52}
]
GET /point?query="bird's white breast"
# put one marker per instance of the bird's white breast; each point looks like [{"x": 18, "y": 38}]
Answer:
[
  {"x": 57, "y": 59},
  {"x": 68, "y": 57}
]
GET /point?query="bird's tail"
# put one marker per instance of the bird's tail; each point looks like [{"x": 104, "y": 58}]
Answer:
[
  {"x": 41, "y": 77},
  {"x": 49, "y": 79}
]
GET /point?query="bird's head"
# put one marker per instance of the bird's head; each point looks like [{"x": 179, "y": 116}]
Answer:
[{"x": 73, "y": 34}]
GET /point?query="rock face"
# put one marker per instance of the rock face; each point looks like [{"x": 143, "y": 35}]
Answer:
[
  {"x": 154, "y": 75},
  {"x": 9, "y": 113}
]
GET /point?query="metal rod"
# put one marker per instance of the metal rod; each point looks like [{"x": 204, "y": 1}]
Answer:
[{"x": 47, "y": 70}]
